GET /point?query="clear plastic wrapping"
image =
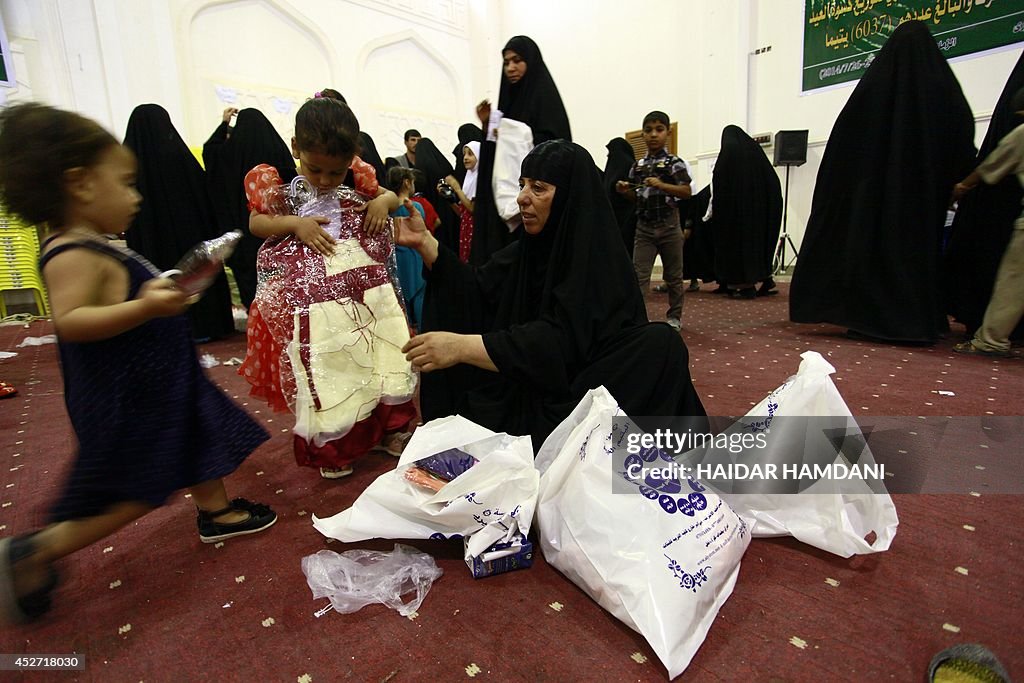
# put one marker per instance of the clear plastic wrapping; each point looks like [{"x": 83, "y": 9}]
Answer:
[
  {"x": 357, "y": 578},
  {"x": 198, "y": 268},
  {"x": 336, "y": 324}
]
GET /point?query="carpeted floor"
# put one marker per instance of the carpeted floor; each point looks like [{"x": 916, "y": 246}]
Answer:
[{"x": 152, "y": 603}]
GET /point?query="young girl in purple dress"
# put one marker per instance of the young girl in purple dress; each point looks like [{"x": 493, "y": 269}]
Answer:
[{"x": 147, "y": 420}]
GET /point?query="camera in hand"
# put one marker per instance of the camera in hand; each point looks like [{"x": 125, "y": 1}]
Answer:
[{"x": 447, "y": 193}]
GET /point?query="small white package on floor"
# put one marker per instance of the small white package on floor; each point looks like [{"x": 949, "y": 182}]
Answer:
[
  {"x": 488, "y": 503},
  {"x": 664, "y": 574},
  {"x": 809, "y": 423}
]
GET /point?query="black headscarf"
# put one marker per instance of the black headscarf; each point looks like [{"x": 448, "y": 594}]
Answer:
[
  {"x": 253, "y": 141},
  {"x": 747, "y": 214},
  {"x": 561, "y": 313},
  {"x": 984, "y": 222},
  {"x": 620, "y": 160},
  {"x": 870, "y": 258},
  {"x": 534, "y": 100},
  {"x": 368, "y": 153},
  {"x": 176, "y": 212},
  {"x": 434, "y": 166}
]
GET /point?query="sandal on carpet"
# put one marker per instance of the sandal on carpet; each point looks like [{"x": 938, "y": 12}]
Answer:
[
  {"x": 335, "y": 472},
  {"x": 967, "y": 663},
  {"x": 394, "y": 444},
  {"x": 29, "y": 607},
  {"x": 260, "y": 517},
  {"x": 6, "y": 390},
  {"x": 971, "y": 350}
]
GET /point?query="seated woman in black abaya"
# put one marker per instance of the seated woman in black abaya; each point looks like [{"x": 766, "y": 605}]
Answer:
[{"x": 549, "y": 317}]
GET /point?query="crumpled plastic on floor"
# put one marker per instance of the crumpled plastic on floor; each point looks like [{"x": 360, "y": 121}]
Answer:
[
  {"x": 4, "y": 355},
  {"x": 207, "y": 360},
  {"x": 234, "y": 360},
  {"x": 38, "y": 341},
  {"x": 357, "y": 578}
]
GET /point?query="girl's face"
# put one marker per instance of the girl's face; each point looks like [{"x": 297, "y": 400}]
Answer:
[
  {"x": 535, "y": 198},
  {"x": 468, "y": 158},
  {"x": 105, "y": 197},
  {"x": 513, "y": 65},
  {"x": 325, "y": 171}
]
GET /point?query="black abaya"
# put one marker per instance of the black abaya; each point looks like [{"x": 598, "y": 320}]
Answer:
[
  {"x": 983, "y": 224},
  {"x": 435, "y": 167},
  {"x": 870, "y": 257},
  {"x": 535, "y": 101},
  {"x": 620, "y": 160},
  {"x": 699, "y": 250},
  {"x": 747, "y": 210},
  {"x": 560, "y": 314},
  {"x": 254, "y": 141},
  {"x": 176, "y": 213}
]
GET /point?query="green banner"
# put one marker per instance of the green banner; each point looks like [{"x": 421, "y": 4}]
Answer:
[{"x": 842, "y": 37}]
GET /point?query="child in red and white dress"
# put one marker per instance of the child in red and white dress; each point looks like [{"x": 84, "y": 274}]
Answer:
[{"x": 326, "y": 327}]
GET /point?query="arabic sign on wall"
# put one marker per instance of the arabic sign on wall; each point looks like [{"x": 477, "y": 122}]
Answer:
[{"x": 841, "y": 37}]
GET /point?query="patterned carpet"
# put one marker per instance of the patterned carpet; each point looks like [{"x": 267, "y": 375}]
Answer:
[{"x": 152, "y": 603}]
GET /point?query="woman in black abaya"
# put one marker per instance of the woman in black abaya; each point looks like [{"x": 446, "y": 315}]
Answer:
[
  {"x": 746, "y": 214},
  {"x": 176, "y": 213},
  {"x": 561, "y": 314},
  {"x": 871, "y": 255},
  {"x": 620, "y": 160},
  {"x": 527, "y": 94},
  {"x": 253, "y": 141},
  {"x": 983, "y": 224},
  {"x": 435, "y": 168}
]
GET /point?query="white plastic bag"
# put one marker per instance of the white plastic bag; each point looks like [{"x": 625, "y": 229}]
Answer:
[
  {"x": 490, "y": 502},
  {"x": 832, "y": 516},
  {"x": 357, "y": 578},
  {"x": 663, "y": 574}
]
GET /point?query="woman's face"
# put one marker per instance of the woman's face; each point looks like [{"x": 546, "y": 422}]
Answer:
[
  {"x": 535, "y": 197},
  {"x": 468, "y": 158},
  {"x": 513, "y": 65}
]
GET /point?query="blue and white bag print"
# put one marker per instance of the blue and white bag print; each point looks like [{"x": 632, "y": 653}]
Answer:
[{"x": 663, "y": 570}]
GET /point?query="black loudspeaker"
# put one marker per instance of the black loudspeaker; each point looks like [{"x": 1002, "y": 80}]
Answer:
[{"x": 790, "y": 148}]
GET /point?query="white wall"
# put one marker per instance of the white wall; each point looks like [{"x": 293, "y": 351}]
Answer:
[
  {"x": 400, "y": 63},
  {"x": 426, "y": 63}
]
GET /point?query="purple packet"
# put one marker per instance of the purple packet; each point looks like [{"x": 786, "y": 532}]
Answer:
[{"x": 447, "y": 464}]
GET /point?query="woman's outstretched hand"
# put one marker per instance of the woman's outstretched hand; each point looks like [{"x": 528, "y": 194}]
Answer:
[{"x": 434, "y": 350}]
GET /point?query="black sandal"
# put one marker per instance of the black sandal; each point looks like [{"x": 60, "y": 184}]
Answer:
[
  {"x": 23, "y": 609},
  {"x": 260, "y": 517}
]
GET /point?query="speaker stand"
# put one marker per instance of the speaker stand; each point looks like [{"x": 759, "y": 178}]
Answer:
[{"x": 780, "y": 267}]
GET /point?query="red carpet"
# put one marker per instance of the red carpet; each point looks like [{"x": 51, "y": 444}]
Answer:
[{"x": 152, "y": 603}]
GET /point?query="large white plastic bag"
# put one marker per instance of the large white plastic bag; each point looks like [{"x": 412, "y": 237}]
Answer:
[
  {"x": 357, "y": 578},
  {"x": 639, "y": 562},
  {"x": 822, "y": 515},
  {"x": 490, "y": 502}
]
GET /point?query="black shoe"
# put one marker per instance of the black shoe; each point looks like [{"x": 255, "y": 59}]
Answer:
[
  {"x": 260, "y": 517},
  {"x": 767, "y": 288},
  {"x": 745, "y": 293},
  {"x": 31, "y": 606}
]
